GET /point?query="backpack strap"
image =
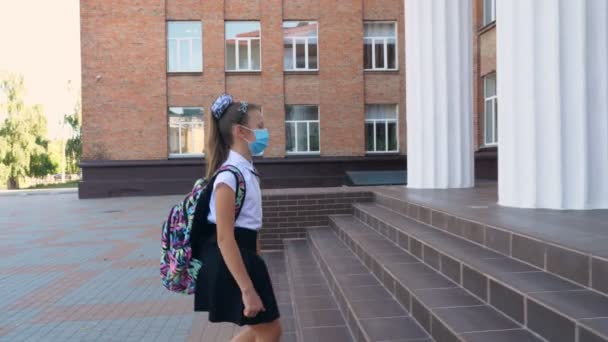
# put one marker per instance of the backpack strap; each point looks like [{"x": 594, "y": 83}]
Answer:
[{"x": 241, "y": 189}]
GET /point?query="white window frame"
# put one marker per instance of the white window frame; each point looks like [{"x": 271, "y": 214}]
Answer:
[
  {"x": 385, "y": 44},
  {"x": 237, "y": 50},
  {"x": 308, "y": 122},
  {"x": 494, "y": 101},
  {"x": 488, "y": 21},
  {"x": 179, "y": 41},
  {"x": 179, "y": 135},
  {"x": 386, "y": 122},
  {"x": 293, "y": 47}
]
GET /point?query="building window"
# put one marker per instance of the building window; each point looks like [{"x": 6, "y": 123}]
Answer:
[
  {"x": 302, "y": 129},
  {"x": 380, "y": 46},
  {"x": 489, "y": 11},
  {"x": 490, "y": 110},
  {"x": 186, "y": 131},
  {"x": 381, "y": 133},
  {"x": 184, "y": 46},
  {"x": 300, "y": 45},
  {"x": 243, "y": 46}
]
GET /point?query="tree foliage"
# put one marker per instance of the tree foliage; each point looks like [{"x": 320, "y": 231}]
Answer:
[
  {"x": 73, "y": 148},
  {"x": 22, "y": 134}
]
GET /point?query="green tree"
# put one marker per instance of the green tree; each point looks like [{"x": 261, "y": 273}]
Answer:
[
  {"x": 73, "y": 148},
  {"x": 21, "y": 134},
  {"x": 42, "y": 164}
]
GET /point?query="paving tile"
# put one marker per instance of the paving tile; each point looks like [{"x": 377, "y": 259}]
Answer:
[
  {"x": 528, "y": 250},
  {"x": 289, "y": 337},
  {"x": 430, "y": 256},
  {"x": 441, "y": 333},
  {"x": 326, "y": 334},
  {"x": 310, "y": 290},
  {"x": 537, "y": 282},
  {"x": 599, "y": 275},
  {"x": 498, "y": 240},
  {"x": 414, "y": 276},
  {"x": 398, "y": 258},
  {"x": 377, "y": 308},
  {"x": 586, "y": 335},
  {"x": 568, "y": 264},
  {"x": 473, "y": 231},
  {"x": 439, "y": 219},
  {"x": 374, "y": 292},
  {"x": 357, "y": 279},
  {"x": 346, "y": 269},
  {"x": 379, "y": 329},
  {"x": 502, "y": 265},
  {"x": 309, "y": 280},
  {"x": 450, "y": 268},
  {"x": 575, "y": 304},
  {"x": 321, "y": 318},
  {"x": 473, "y": 318},
  {"x": 599, "y": 325},
  {"x": 475, "y": 282},
  {"x": 507, "y": 301},
  {"x": 421, "y": 314},
  {"x": 519, "y": 335},
  {"x": 548, "y": 324},
  {"x": 416, "y": 248},
  {"x": 441, "y": 298},
  {"x": 315, "y": 303}
]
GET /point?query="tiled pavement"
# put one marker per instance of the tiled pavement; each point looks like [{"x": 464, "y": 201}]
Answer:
[{"x": 87, "y": 270}]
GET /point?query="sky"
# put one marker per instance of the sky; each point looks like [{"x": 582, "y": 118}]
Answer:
[{"x": 40, "y": 39}]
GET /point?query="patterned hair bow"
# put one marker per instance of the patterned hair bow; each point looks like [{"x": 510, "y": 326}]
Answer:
[
  {"x": 243, "y": 107},
  {"x": 220, "y": 105}
]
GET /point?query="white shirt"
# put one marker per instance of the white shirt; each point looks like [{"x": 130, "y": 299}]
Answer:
[{"x": 251, "y": 211}]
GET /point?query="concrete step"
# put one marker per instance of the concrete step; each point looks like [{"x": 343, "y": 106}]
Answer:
[
  {"x": 373, "y": 313},
  {"x": 316, "y": 312},
  {"x": 555, "y": 308},
  {"x": 277, "y": 268},
  {"x": 571, "y": 245},
  {"x": 445, "y": 310}
]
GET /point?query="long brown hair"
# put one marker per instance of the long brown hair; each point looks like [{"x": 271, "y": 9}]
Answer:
[{"x": 219, "y": 136}]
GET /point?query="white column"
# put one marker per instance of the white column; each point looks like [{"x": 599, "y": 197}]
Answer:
[
  {"x": 439, "y": 88},
  {"x": 552, "y": 58}
]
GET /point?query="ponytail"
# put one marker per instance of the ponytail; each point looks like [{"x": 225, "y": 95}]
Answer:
[
  {"x": 219, "y": 136},
  {"x": 216, "y": 150}
]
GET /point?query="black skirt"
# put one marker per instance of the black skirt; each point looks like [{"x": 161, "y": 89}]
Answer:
[{"x": 218, "y": 293}]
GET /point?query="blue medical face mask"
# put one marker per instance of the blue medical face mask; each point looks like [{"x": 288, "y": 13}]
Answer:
[{"x": 260, "y": 143}]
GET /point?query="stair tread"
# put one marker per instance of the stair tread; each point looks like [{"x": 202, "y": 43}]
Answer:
[
  {"x": 452, "y": 305},
  {"x": 316, "y": 312},
  {"x": 534, "y": 282},
  {"x": 378, "y": 314}
]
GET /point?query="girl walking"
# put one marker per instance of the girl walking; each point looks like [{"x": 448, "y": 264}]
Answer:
[{"x": 233, "y": 284}]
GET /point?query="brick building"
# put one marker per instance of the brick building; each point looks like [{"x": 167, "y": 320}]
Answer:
[{"x": 330, "y": 77}]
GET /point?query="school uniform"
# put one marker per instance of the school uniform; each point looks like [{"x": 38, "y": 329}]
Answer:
[{"x": 216, "y": 290}]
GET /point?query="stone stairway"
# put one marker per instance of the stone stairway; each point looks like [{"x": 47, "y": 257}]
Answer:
[{"x": 380, "y": 275}]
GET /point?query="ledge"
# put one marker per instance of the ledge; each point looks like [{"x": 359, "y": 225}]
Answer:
[
  {"x": 232, "y": 73},
  {"x": 301, "y": 72},
  {"x": 196, "y": 73},
  {"x": 486, "y": 28}
]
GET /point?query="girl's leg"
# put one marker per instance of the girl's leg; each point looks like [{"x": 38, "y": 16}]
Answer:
[
  {"x": 267, "y": 332},
  {"x": 246, "y": 335}
]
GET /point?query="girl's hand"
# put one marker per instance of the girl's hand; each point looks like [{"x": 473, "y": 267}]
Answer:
[{"x": 253, "y": 303}]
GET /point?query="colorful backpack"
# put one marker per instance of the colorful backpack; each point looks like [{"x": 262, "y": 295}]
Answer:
[{"x": 178, "y": 269}]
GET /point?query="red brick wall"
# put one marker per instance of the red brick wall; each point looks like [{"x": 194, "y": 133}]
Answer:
[
  {"x": 123, "y": 80},
  {"x": 341, "y": 77},
  {"x": 126, "y": 45},
  {"x": 301, "y": 89},
  {"x": 301, "y": 9},
  {"x": 289, "y": 212}
]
